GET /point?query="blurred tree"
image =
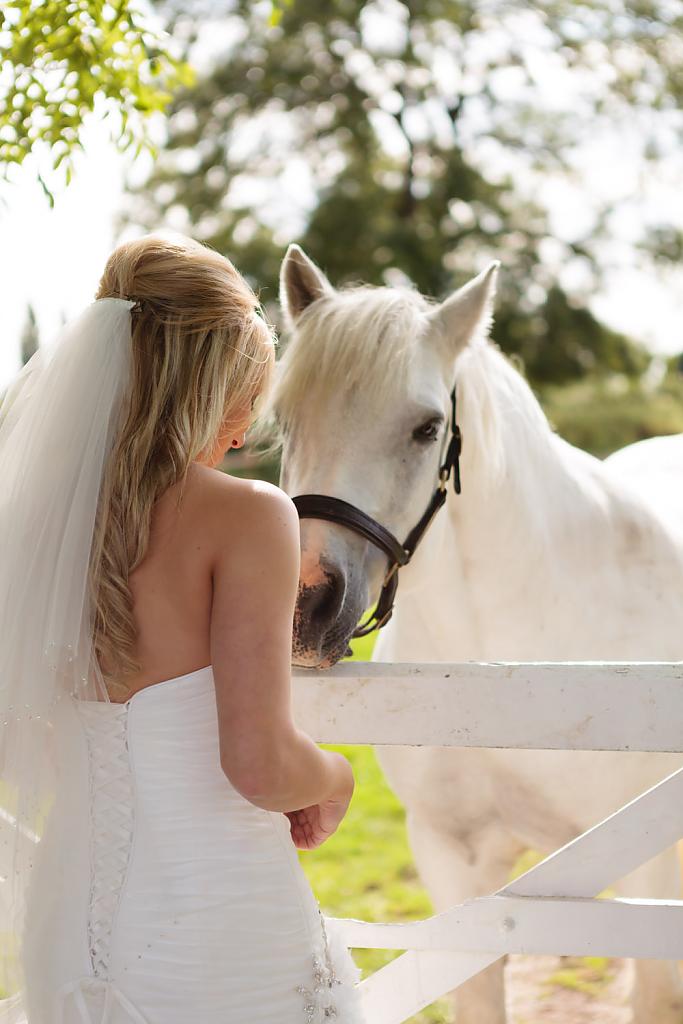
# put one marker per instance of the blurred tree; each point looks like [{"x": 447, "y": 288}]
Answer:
[
  {"x": 397, "y": 140},
  {"x": 601, "y": 415},
  {"x": 30, "y": 340},
  {"x": 57, "y": 58},
  {"x": 563, "y": 341}
]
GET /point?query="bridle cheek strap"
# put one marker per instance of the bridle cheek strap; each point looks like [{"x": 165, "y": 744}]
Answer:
[{"x": 336, "y": 510}]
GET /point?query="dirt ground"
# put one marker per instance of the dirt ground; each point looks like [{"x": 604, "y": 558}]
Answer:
[{"x": 568, "y": 990}]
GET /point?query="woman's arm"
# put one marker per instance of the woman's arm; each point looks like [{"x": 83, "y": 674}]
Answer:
[{"x": 264, "y": 754}]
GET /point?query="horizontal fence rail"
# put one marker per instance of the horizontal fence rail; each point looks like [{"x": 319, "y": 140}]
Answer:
[
  {"x": 625, "y": 706},
  {"x": 522, "y": 924}
]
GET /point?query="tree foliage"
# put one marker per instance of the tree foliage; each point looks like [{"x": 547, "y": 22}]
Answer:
[
  {"x": 401, "y": 140},
  {"x": 603, "y": 414},
  {"x": 58, "y": 58},
  {"x": 30, "y": 338}
]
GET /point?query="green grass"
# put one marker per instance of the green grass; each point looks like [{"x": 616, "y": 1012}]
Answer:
[{"x": 366, "y": 868}]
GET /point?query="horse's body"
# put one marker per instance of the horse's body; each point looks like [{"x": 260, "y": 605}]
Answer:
[
  {"x": 604, "y": 581},
  {"x": 547, "y": 555}
]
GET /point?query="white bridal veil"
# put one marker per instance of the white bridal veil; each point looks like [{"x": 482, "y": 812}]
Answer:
[{"x": 58, "y": 421}]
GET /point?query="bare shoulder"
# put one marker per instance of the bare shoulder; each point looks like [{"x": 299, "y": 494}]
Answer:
[
  {"x": 249, "y": 512},
  {"x": 246, "y": 499}
]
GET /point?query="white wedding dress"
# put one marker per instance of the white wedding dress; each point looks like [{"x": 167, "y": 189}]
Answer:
[{"x": 160, "y": 895}]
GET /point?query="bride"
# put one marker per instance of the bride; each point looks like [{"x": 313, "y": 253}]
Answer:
[{"x": 154, "y": 788}]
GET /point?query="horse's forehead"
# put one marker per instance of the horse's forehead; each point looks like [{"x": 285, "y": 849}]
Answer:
[
  {"x": 386, "y": 387},
  {"x": 351, "y": 385}
]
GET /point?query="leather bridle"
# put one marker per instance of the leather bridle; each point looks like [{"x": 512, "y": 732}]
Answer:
[{"x": 335, "y": 510}]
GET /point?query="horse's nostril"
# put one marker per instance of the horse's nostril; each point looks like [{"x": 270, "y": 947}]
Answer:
[{"x": 319, "y": 605}]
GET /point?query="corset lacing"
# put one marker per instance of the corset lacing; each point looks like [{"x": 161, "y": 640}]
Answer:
[{"x": 111, "y": 831}]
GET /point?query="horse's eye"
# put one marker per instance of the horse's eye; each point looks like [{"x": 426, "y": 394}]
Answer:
[{"x": 428, "y": 431}]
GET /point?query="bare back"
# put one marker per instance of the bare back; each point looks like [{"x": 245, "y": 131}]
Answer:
[
  {"x": 218, "y": 587},
  {"x": 172, "y": 587}
]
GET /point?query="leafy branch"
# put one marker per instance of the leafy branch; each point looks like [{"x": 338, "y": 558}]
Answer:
[{"x": 58, "y": 59}]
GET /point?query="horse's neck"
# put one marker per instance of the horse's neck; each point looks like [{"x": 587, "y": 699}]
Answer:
[
  {"x": 485, "y": 576},
  {"x": 516, "y": 560},
  {"x": 526, "y": 541}
]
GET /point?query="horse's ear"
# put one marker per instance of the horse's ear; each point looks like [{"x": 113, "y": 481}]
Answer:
[
  {"x": 468, "y": 312},
  {"x": 301, "y": 283}
]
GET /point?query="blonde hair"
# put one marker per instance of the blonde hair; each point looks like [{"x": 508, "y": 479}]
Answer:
[{"x": 201, "y": 350}]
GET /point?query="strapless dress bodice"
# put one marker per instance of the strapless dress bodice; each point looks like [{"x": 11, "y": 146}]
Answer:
[{"x": 160, "y": 894}]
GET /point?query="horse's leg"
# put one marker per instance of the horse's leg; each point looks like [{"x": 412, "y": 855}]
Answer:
[
  {"x": 658, "y": 987},
  {"x": 454, "y": 869}
]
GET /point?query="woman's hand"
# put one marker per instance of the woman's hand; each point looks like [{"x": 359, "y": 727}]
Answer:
[{"x": 311, "y": 826}]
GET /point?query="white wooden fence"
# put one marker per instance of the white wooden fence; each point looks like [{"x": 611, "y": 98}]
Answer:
[{"x": 552, "y": 908}]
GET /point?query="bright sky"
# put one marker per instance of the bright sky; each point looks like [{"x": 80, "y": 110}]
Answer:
[{"x": 53, "y": 258}]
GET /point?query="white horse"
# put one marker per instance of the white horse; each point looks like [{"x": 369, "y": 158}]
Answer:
[{"x": 547, "y": 555}]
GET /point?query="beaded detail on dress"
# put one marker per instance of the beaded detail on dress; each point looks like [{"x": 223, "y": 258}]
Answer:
[
  {"x": 319, "y": 1000},
  {"x": 111, "y": 824}
]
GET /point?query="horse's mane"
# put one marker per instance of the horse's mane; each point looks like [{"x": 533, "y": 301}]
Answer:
[
  {"x": 501, "y": 411},
  {"x": 360, "y": 336}
]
